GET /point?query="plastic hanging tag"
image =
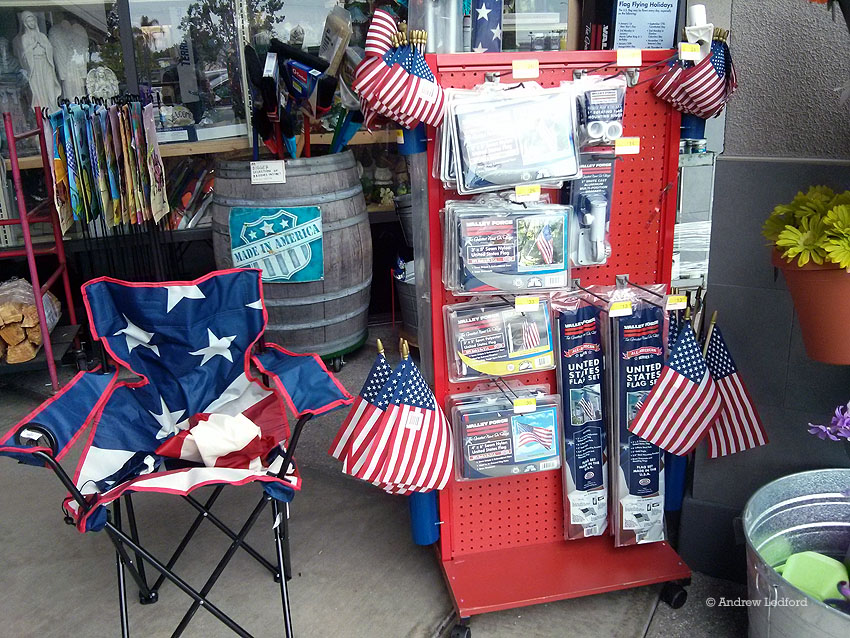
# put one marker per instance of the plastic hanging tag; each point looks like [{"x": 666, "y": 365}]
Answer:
[
  {"x": 629, "y": 57},
  {"x": 689, "y": 51},
  {"x": 524, "y": 405},
  {"x": 525, "y": 69},
  {"x": 524, "y": 303},
  {"x": 620, "y": 309},
  {"x": 627, "y": 146},
  {"x": 676, "y": 302}
]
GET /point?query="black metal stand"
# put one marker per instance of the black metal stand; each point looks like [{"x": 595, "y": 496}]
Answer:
[{"x": 149, "y": 594}]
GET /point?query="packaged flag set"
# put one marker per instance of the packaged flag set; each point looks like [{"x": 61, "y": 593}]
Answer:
[
  {"x": 496, "y": 437},
  {"x": 496, "y": 245}
]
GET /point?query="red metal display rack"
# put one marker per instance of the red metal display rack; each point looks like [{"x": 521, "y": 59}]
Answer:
[
  {"x": 502, "y": 540},
  {"x": 43, "y": 213}
]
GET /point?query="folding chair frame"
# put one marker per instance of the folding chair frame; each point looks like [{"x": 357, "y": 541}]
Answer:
[{"x": 150, "y": 593}]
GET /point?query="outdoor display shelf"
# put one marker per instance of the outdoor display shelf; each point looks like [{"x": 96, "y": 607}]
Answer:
[{"x": 502, "y": 540}]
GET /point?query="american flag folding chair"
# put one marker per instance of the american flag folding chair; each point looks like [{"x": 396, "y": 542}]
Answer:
[{"x": 206, "y": 408}]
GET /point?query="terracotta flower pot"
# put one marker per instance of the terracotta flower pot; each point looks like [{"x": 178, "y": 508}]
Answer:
[{"x": 821, "y": 297}]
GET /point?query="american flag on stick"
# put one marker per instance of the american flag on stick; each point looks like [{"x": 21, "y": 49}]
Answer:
[
  {"x": 684, "y": 403},
  {"x": 739, "y": 426},
  {"x": 530, "y": 335},
  {"x": 545, "y": 244},
  {"x": 587, "y": 408}
]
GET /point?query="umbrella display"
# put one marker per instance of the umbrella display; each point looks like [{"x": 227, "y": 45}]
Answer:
[
  {"x": 396, "y": 436},
  {"x": 701, "y": 89},
  {"x": 393, "y": 81}
]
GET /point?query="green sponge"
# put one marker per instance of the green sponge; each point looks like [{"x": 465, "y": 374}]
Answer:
[{"x": 815, "y": 574}]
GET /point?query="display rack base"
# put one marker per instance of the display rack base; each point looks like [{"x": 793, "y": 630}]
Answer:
[
  {"x": 546, "y": 572},
  {"x": 61, "y": 338}
]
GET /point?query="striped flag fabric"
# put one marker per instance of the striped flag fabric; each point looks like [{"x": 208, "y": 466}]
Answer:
[
  {"x": 532, "y": 434},
  {"x": 413, "y": 450},
  {"x": 739, "y": 426},
  {"x": 587, "y": 408},
  {"x": 530, "y": 335},
  {"x": 683, "y": 404},
  {"x": 545, "y": 244},
  {"x": 379, "y": 37},
  {"x": 362, "y": 409}
]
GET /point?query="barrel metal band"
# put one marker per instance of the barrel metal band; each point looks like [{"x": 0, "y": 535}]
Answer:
[
  {"x": 328, "y": 347},
  {"x": 330, "y": 296},
  {"x": 306, "y": 200},
  {"x": 289, "y": 327}
]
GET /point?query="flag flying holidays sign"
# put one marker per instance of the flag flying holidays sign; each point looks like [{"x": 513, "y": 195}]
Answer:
[{"x": 286, "y": 243}]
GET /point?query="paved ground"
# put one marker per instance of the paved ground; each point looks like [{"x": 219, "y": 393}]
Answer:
[{"x": 356, "y": 571}]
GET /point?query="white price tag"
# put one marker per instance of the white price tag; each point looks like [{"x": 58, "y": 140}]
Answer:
[
  {"x": 620, "y": 309},
  {"x": 676, "y": 302},
  {"x": 268, "y": 172},
  {"x": 525, "y": 69},
  {"x": 527, "y": 193},
  {"x": 524, "y": 405},
  {"x": 629, "y": 57},
  {"x": 627, "y": 146},
  {"x": 523, "y": 303},
  {"x": 689, "y": 51}
]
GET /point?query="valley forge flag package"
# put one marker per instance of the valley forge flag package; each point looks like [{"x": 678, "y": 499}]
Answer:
[
  {"x": 494, "y": 245},
  {"x": 585, "y": 413},
  {"x": 637, "y": 475},
  {"x": 495, "y": 438},
  {"x": 494, "y": 339}
]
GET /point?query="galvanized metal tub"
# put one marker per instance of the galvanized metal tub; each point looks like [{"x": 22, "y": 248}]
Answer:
[{"x": 805, "y": 511}]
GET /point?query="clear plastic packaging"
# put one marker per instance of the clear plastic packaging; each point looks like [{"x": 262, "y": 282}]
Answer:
[
  {"x": 591, "y": 198},
  {"x": 508, "y": 135},
  {"x": 600, "y": 102},
  {"x": 494, "y": 245},
  {"x": 495, "y": 339},
  {"x": 578, "y": 318},
  {"x": 504, "y": 434}
]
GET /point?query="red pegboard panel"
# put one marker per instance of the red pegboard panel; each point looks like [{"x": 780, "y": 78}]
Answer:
[{"x": 480, "y": 516}]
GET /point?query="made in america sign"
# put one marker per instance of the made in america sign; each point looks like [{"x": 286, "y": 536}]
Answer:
[{"x": 286, "y": 243}]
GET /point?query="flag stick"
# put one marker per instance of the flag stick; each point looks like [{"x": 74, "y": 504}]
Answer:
[
  {"x": 405, "y": 350},
  {"x": 708, "y": 334},
  {"x": 380, "y": 347}
]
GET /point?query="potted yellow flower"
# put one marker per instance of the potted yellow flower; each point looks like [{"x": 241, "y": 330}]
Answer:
[{"x": 811, "y": 237}]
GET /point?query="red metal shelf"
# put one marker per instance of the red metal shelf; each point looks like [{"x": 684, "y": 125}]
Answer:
[
  {"x": 502, "y": 540},
  {"x": 557, "y": 570}
]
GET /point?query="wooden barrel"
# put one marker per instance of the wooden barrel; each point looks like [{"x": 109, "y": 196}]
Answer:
[{"x": 328, "y": 317}]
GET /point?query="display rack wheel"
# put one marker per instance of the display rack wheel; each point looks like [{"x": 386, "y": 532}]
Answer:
[
  {"x": 337, "y": 363},
  {"x": 461, "y": 631},
  {"x": 674, "y": 594},
  {"x": 81, "y": 360}
]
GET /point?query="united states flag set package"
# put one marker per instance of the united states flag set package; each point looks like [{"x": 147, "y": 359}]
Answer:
[
  {"x": 634, "y": 342},
  {"x": 494, "y": 245},
  {"x": 497, "y": 339},
  {"x": 505, "y": 432},
  {"x": 581, "y": 368},
  {"x": 498, "y": 136}
]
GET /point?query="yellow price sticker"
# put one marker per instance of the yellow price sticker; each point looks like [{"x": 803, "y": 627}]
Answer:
[
  {"x": 689, "y": 51},
  {"x": 524, "y": 405},
  {"x": 677, "y": 302},
  {"x": 620, "y": 309},
  {"x": 629, "y": 57},
  {"x": 399, "y": 136},
  {"x": 527, "y": 193},
  {"x": 526, "y": 69},
  {"x": 524, "y": 303},
  {"x": 627, "y": 146}
]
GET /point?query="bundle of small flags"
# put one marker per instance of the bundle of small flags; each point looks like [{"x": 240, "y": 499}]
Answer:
[
  {"x": 395, "y": 435},
  {"x": 698, "y": 395},
  {"x": 393, "y": 81},
  {"x": 704, "y": 88}
]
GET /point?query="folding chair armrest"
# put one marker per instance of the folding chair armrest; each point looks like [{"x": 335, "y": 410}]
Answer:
[{"x": 293, "y": 441}]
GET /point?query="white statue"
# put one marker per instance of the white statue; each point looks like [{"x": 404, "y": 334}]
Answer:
[
  {"x": 71, "y": 53},
  {"x": 35, "y": 54},
  {"x": 101, "y": 82}
]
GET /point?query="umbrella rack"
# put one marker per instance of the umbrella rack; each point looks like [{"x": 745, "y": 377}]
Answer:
[
  {"x": 58, "y": 342},
  {"x": 502, "y": 540}
]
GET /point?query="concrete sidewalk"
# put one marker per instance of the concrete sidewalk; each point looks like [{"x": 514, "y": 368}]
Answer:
[{"x": 356, "y": 572}]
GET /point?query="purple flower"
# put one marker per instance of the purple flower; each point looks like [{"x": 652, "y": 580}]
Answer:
[
  {"x": 838, "y": 603},
  {"x": 838, "y": 428}
]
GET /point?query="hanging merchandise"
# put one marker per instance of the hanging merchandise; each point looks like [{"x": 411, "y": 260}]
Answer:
[
  {"x": 600, "y": 101},
  {"x": 591, "y": 196},
  {"x": 497, "y": 339},
  {"x": 509, "y": 135},
  {"x": 158, "y": 198},
  {"x": 100, "y": 180},
  {"x": 113, "y": 177},
  {"x": 501, "y": 434},
  {"x": 579, "y": 325},
  {"x": 637, "y": 357},
  {"x": 393, "y": 80},
  {"x": 121, "y": 164},
  {"x": 54, "y": 130},
  {"x": 495, "y": 245}
]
